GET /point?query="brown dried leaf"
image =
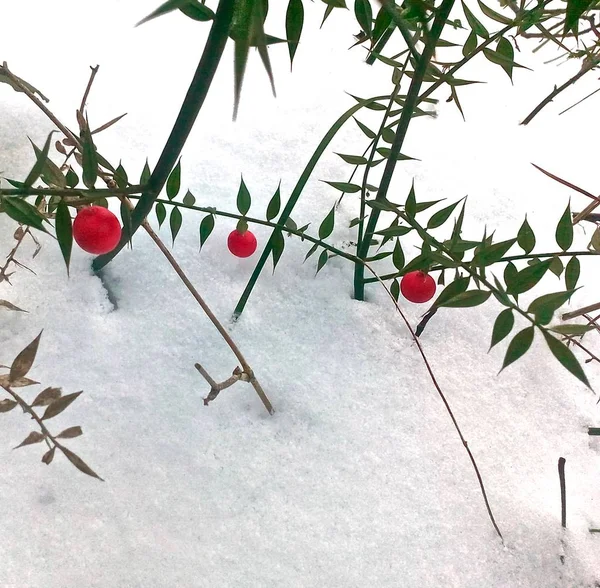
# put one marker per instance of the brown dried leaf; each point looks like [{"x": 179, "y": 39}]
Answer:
[
  {"x": 47, "y": 396},
  {"x": 57, "y": 406},
  {"x": 108, "y": 124},
  {"x": 33, "y": 437},
  {"x": 70, "y": 433},
  {"x": 10, "y": 306},
  {"x": 60, "y": 148},
  {"x": 23, "y": 362},
  {"x": 68, "y": 142},
  {"x": 7, "y": 404},
  {"x": 19, "y": 233},
  {"x": 79, "y": 463},
  {"x": 20, "y": 383},
  {"x": 49, "y": 455}
]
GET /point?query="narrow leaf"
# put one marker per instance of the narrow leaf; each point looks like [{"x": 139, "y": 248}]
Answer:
[
  {"x": 64, "y": 231},
  {"x": 274, "y": 205},
  {"x": 175, "y": 220},
  {"x": 206, "y": 227},
  {"x": 24, "y": 360},
  {"x": 79, "y": 463},
  {"x": 519, "y": 345},
  {"x": 502, "y": 326},
  {"x": 294, "y": 21},
  {"x": 59, "y": 405},
  {"x": 33, "y": 437},
  {"x": 243, "y": 198},
  {"x": 70, "y": 433},
  {"x": 326, "y": 227},
  {"x": 467, "y": 299},
  {"x": 161, "y": 213},
  {"x": 526, "y": 237},
  {"x": 174, "y": 181},
  {"x": 278, "y": 244},
  {"x": 572, "y": 273},
  {"x": 564, "y": 229},
  {"x": 566, "y": 358}
]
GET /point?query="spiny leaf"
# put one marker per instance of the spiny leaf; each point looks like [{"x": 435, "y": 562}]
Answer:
[
  {"x": 64, "y": 231},
  {"x": 353, "y": 159},
  {"x": 278, "y": 245},
  {"x": 79, "y": 463},
  {"x": 470, "y": 44},
  {"x": 161, "y": 213},
  {"x": 60, "y": 404},
  {"x": 441, "y": 216},
  {"x": 502, "y": 326},
  {"x": 410, "y": 206},
  {"x": 467, "y": 299},
  {"x": 527, "y": 278},
  {"x": 196, "y": 11},
  {"x": 175, "y": 220},
  {"x": 565, "y": 357},
  {"x": 24, "y": 360},
  {"x": 274, "y": 204},
  {"x": 164, "y": 8},
  {"x": 526, "y": 237},
  {"x": 7, "y": 404},
  {"x": 574, "y": 11},
  {"x": 364, "y": 15},
  {"x": 475, "y": 25},
  {"x": 398, "y": 258},
  {"x": 326, "y": 227},
  {"x": 519, "y": 345},
  {"x": 21, "y": 211},
  {"x": 89, "y": 155},
  {"x": 572, "y": 329},
  {"x": 345, "y": 187},
  {"x": 50, "y": 173},
  {"x": 323, "y": 259},
  {"x": 47, "y": 396},
  {"x": 457, "y": 286},
  {"x": 505, "y": 49},
  {"x": 70, "y": 433},
  {"x": 49, "y": 456},
  {"x": 564, "y": 229},
  {"x": 493, "y": 14},
  {"x": 492, "y": 253},
  {"x": 572, "y": 273},
  {"x": 36, "y": 170},
  {"x": 366, "y": 130}
]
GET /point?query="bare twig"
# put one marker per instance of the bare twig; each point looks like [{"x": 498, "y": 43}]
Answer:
[{"x": 569, "y": 315}]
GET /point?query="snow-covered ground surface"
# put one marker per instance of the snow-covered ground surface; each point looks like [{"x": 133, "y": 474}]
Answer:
[{"x": 359, "y": 479}]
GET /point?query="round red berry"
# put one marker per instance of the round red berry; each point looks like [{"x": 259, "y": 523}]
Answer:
[
  {"x": 241, "y": 244},
  {"x": 417, "y": 286},
  {"x": 96, "y": 229}
]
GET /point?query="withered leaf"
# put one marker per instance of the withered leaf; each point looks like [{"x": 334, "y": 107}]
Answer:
[
  {"x": 79, "y": 463},
  {"x": 7, "y": 404},
  {"x": 33, "y": 437},
  {"x": 47, "y": 396},
  {"x": 57, "y": 406},
  {"x": 10, "y": 306},
  {"x": 20, "y": 383},
  {"x": 70, "y": 433},
  {"x": 49, "y": 455},
  {"x": 23, "y": 362}
]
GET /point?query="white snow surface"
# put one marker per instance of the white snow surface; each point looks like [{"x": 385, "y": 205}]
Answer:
[{"x": 359, "y": 478}]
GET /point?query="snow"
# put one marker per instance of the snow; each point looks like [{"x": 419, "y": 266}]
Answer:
[{"x": 359, "y": 478}]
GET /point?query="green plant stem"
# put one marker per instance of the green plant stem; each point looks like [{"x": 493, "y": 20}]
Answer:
[
  {"x": 194, "y": 99},
  {"x": 410, "y": 104},
  {"x": 504, "y": 259}
]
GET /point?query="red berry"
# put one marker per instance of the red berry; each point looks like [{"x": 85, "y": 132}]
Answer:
[
  {"x": 417, "y": 286},
  {"x": 96, "y": 229},
  {"x": 241, "y": 244}
]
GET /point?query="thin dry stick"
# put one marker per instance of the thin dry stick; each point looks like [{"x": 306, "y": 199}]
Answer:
[
  {"x": 569, "y": 315},
  {"x": 110, "y": 182},
  {"x": 444, "y": 400}
]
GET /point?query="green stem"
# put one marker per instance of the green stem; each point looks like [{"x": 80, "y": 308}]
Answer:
[
  {"x": 194, "y": 99},
  {"x": 410, "y": 104}
]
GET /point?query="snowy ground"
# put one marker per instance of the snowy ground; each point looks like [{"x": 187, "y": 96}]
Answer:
[{"x": 359, "y": 479}]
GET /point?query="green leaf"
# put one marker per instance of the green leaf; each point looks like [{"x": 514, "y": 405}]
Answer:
[
  {"x": 505, "y": 49},
  {"x": 441, "y": 216},
  {"x": 398, "y": 256},
  {"x": 526, "y": 237},
  {"x": 492, "y": 253},
  {"x": 89, "y": 156},
  {"x": 274, "y": 205},
  {"x": 382, "y": 23},
  {"x": 206, "y": 227},
  {"x": 311, "y": 251},
  {"x": 527, "y": 278},
  {"x": 164, "y": 8},
  {"x": 364, "y": 15},
  {"x": 189, "y": 199},
  {"x": 564, "y": 229},
  {"x": 421, "y": 262},
  {"x": 20, "y": 210},
  {"x": 475, "y": 25},
  {"x": 565, "y": 357},
  {"x": 145, "y": 176},
  {"x": 161, "y": 213},
  {"x": 64, "y": 231},
  {"x": 572, "y": 329},
  {"x": 502, "y": 326},
  {"x": 126, "y": 221},
  {"x": 121, "y": 177},
  {"x": 501, "y": 60},
  {"x": 323, "y": 259},
  {"x": 572, "y": 273},
  {"x": 493, "y": 14},
  {"x": 454, "y": 288},
  {"x": 174, "y": 181},
  {"x": 385, "y": 152},
  {"x": 519, "y": 346},
  {"x": 278, "y": 246},
  {"x": 72, "y": 178},
  {"x": 366, "y": 130},
  {"x": 175, "y": 220},
  {"x": 556, "y": 267},
  {"x": 196, "y": 11},
  {"x": 50, "y": 173},
  {"x": 470, "y": 44},
  {"x": 36, "y": 170},
  {"x": 345, "y": 187},
  {"x": 574, "y": 11},
  {"x": 294, "y": 21},
  {"x": 353, "y": 159},
  {"x": 467, "y": 299},
  {"x": 410, "y": 206},
  {"x": 545, "y": 306},
  {"x": 243, "y": 198},
  {"x": 326, "y": 227},
  {"x": 395, "y": 289}
]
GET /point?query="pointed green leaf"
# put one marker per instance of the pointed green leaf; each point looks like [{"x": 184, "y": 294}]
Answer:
[
  {"x": 564, "y": 229},
  {"x": 470, "y": 44},
  {"x": 475, "y": 25},
  {"x": 20, "y": 210},
  {"x": 326, "y": 227},
  {"x": 72, "y": 179},
  {"x": 467, "y": 299},
  {"x": 323, "y": 259},
  {"x": 526, "y": 237},
  {"x": 164, "y": 8},
  {"x": 294, "y": 21},
  {"x": 410, "y": 206},
  {"x": 492, "y": 253},
  {"x": 89, "y": 156},
  {"x": 395, "y": 289},
  {"x": 493, "y": 14},
  {"x": 527, "y": 278},
  {"x": 196, "y": 11},
  {"x": 572, "y": 329},
  {"x": 519, "y": 346},
  {"x": 364, "y": 15},
  {"x": 398, "y": 256},
  {"x": 161, "y": 213},
  {"x": 278, "y": 243},
  {"x": 64, "y": 231},
  {"x": 505, "y": 49},
  {"x": 556, "y": 267},
  {"x": 345, "y": 187},
  {"x": 50, "y": 173},
  {"x": 189, "y": 199},
  {"x": 175, "y": 220},
  {"x": 206, "y": 227},
  {"x": 274, "y": 205},
  {"x": 565, "y": 357},
  {"x": 174, "y": 181},
  {"x": 121, "y": 177},
  {"x": 366, "y": 130},
  {"x": 441, "y": 216},
  {"x": 42, "y": 155},
  {"x": 353, "y": 159},
  {"x": 454, "y": 288},
  {"x": 502, "y": 326},
  {"x": 572, "y": 273},
  {"x": 574, "y": 11},
  {"x": 145, "y": 176},
  {"x": 243, "y": 199},
  {"x": 382, "y": 23}
]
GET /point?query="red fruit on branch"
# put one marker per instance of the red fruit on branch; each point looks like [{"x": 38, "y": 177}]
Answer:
[
  {"x": 96, "y": 229},
  {"x": 417, "y": 286},
  {"x": 241, "y": 244}
]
